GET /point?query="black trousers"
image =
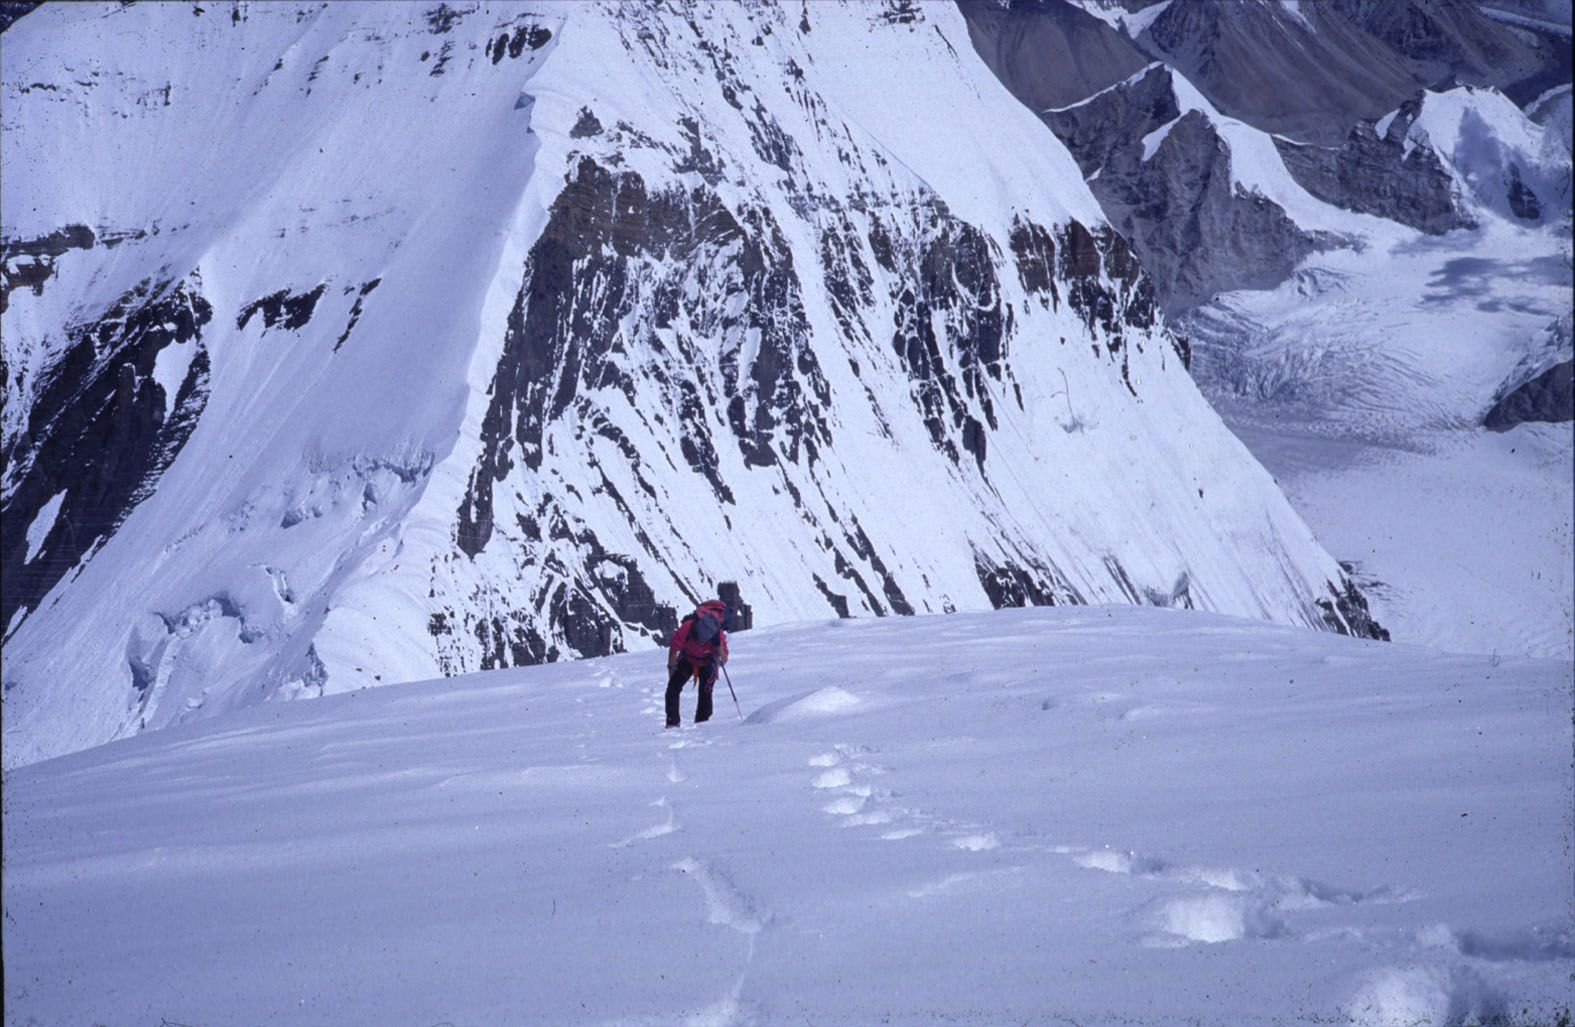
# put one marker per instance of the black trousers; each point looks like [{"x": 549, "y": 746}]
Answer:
[{"x": 682, "y": 672}]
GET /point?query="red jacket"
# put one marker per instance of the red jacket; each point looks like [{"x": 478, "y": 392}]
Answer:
[{"x": 698, "y": 653}]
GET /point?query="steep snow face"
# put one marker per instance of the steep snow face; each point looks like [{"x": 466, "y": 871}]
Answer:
[
  {"x": 496, "y": 333},
  {"x": 1509, "y": 163}
]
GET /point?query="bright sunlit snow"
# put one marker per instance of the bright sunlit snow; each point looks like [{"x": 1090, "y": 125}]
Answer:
[{"x": 1092, "y": 815}]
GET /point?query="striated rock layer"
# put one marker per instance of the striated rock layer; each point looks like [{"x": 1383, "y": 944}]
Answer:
[{"x": 362, "y": 343}]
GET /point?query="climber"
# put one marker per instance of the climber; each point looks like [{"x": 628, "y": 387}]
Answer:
[{"x": 698, "y": 649}]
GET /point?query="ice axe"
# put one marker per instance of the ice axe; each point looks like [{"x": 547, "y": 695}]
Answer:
[{"x": 726, "y": 677}]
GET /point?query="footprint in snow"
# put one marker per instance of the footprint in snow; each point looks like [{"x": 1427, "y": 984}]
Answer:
[
  {"x": 1237, "y": 903},
  {"x": 725, "y": 903},
  {"x": 655, "y": 831},
  {"x": 977, "y": 842},
  {"x": 1436, "y": 993},
  {"x": 835, "y": 778},
  {"x": 1545, "y": 942},
  {"x": 847, "y": 805},
  {"x": 953, "y": 882},
  {"x": 1211, "y": 919},
  {"x": 813, "y": 705}
]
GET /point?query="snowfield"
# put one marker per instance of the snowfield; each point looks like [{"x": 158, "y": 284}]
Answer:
[{"x": 1071, "y": 815}]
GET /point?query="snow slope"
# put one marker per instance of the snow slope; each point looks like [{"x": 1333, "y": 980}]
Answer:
[
  {"x": 371, "y": 342},
  {"x": 1091, "y": 815}
]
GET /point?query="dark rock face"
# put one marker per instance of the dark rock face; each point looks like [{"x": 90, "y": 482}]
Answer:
[
  {"x": 1345, "y": 612},
  {"x": 946, "y": 272},
  {"x": 1048, "y": 52},
  {"x": 1024, "y": 583},
  {"x": 1307, "y": 74},
  {"x": 1549, "y": 396},
  {"x": 99, "y": 435},
  {"x": 11, "y": 10},
  {"x": 283, "y": 309},
  {"x": 31, "y": 262},
  {"x": 1523, "y": 202},
  {"x": 1194, "y": 233},
  {"x": 512, "y": 44},
  {"x": 356, "y": 309},
  {"x": 586, "y": 126},
  {"x": 1258, "y": 62},
  {"x": 611, "y": 247},
  {"x": 1373, "y": 175},
  {"x": 741, "y": 616},
  {"x": 1446, "y": 41},
  {"x": 1313, "y": 73}
]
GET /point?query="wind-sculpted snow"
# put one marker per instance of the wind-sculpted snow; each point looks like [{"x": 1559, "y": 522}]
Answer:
[{"x": 523, "y": 326}]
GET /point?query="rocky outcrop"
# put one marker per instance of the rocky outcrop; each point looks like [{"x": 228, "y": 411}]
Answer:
[
  {"x": 1345, "y": 612},
  {"x": 1385, "y": 176},
  {"x": 282, "y": 309},
  {"x": 111, "y": 415},
  {"x": 1542, "y": 387},
  {"x": 31, "y": 262},
  {"x": 1550, "y": 396},
  {"x": 1192, "y": 229},
  {"x": 11, "y": 10}
]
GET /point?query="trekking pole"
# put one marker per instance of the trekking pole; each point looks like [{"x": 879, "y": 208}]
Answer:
[{"x": 726, "y": 677}]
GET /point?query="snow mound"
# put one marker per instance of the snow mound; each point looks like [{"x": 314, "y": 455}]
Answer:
[
  {"x": 1212, "y": 919},
  {"x": 823, "y": 702},
  {"x": 1425, "y": 995}
]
